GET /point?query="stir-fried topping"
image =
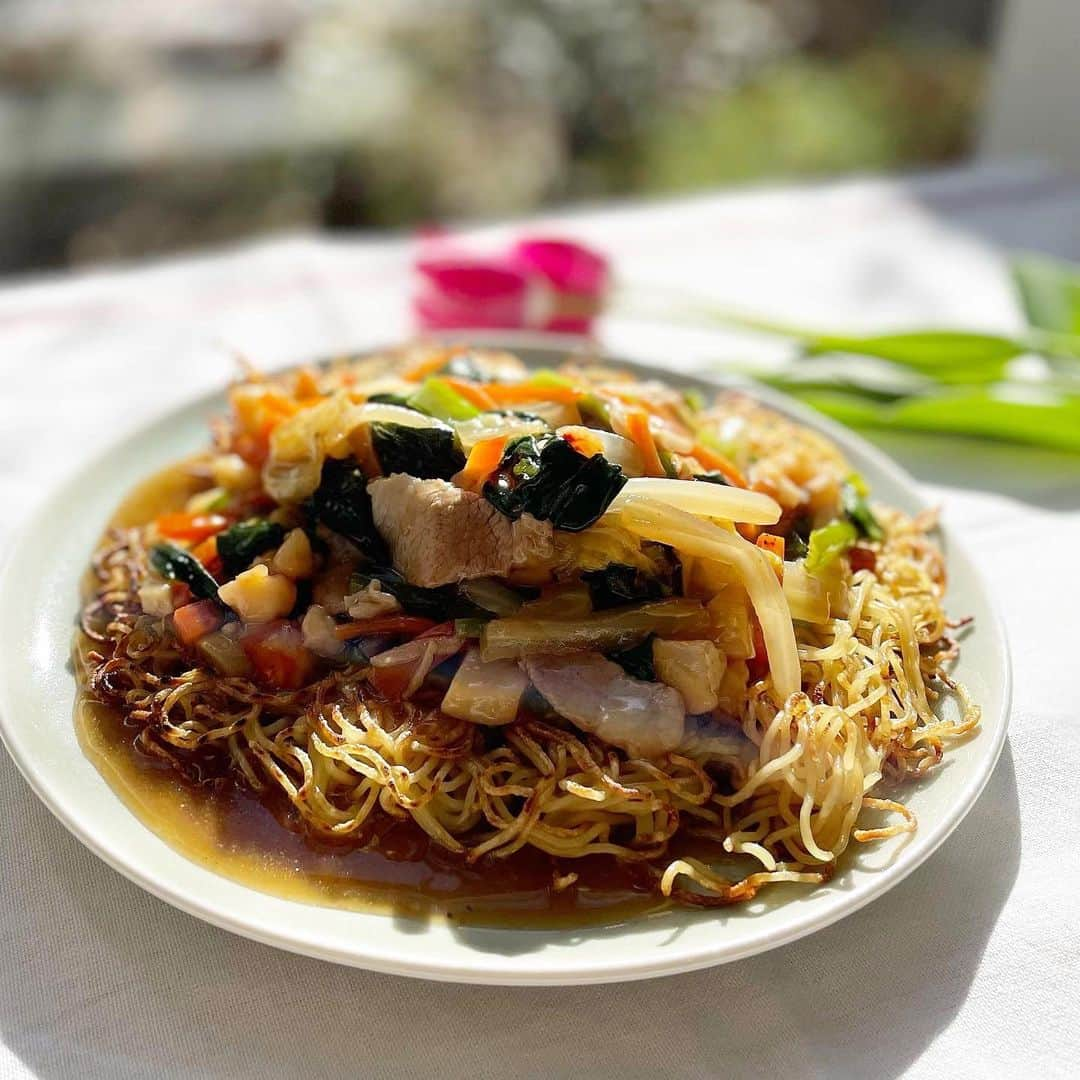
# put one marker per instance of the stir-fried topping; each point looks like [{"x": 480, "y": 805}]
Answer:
[{"x": 573, "y": 549}]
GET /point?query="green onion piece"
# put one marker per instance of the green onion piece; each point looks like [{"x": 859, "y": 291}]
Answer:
[
  {"x": 437, "y": 399},
  {"x": 828, "y": 543},
  {"x": 695, "y": 400},
  {"x": 669, "y": 464},
  {"x": 853, "y": 499},
  {"x": 546, "y": 377},
  {"x": 594, "y": 412}
]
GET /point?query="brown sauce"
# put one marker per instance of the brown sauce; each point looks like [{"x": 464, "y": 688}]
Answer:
[{"x": 230, "y": 830}]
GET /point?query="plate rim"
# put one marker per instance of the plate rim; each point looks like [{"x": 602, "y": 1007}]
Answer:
[{"x": 477, "y": 966}]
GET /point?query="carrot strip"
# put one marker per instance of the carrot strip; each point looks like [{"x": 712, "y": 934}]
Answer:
[
  {"x": 473, "y": 394},
  {"x": 639, "y": 433},
  {"x": 385, "y": 624},
  {"x": 718, "y": 463},
  {"x": 773, "y": 546},
  {"x": 427, "y": 365},
  {"x": 769, "y": 542},
  {"x": 195, "y": 621},
  {"x": 520, "y": 393},
  {"x": 637, "y": 401},
  {"x": 206, "y": 549},
  {"x": 193, "y": 527},
  {"x": 483, "y": 460}
]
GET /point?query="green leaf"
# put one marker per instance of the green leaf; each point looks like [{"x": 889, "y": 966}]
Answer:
[
  {"x": 1049, "y": 292},
  {"x": 854, "y": 500},
  {"x": 176, "y": 564},
  {"x": 1054, "y": 424},
  {"x": 241, "y": 543},
  {"x": 946, "y": 355}
]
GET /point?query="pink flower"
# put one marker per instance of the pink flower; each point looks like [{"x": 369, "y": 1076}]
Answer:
[{"x": 539, "y": 284}]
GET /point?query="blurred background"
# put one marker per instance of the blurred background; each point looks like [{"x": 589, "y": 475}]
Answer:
[{"x": 134, "y": 127}]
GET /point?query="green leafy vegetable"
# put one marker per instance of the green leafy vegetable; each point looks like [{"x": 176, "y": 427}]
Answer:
[
  {"x": 176, "y": 564},
  {"x": 441, "y": 603},
  {"x": 828, "y": 543},
  {"x": 714, "y": 478},
  {"x": 469, "y": 628},
  {"x": 436, "y": 398},
  {"x": 853, "y": 501},
  {"x": 241, "y": 543},
  {"x": 618, "y": 584},
  {"x": 637, "y": 661},
  {"x": 390, "y": 399},
  {"x": 427, "y": 453},
  {"x": 341, "y": 502},
  {"x": 797, "y": 540},
  {"x": 546, "y": 477}
]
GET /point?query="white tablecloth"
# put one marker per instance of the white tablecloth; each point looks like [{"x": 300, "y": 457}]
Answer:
[{"x": 969, "y": 968}]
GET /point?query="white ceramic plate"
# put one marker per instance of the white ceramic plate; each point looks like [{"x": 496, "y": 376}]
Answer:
[{"x": 38, "y": 591}]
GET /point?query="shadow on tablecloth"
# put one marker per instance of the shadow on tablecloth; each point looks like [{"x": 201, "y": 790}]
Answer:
[{"x": 101, "y": 979}]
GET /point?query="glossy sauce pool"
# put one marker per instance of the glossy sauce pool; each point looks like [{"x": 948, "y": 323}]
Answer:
[{"x": 226, "y": 828}]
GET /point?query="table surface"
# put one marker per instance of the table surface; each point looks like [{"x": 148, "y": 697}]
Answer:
[{"x": 968, "y": 968}]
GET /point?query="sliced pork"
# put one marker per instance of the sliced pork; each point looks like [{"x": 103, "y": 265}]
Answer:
[{"x": 438, "y": 533}]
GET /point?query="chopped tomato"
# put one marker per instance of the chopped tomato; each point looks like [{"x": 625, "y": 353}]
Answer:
[
  {"x": 192, "y": 527},
  {"x": 181, "y": 593},
  {"x": 195, "y": 621},
  {"x": 385, "y": 624},
  {"x": 443, "y": 629},
  {"x": 862, "y": 558},
  {"x": 277, "y": 653},
  {"x": 483, "y": 460}
]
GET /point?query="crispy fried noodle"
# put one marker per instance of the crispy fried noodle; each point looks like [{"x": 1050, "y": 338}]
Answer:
[{"x": 717, "y": 661}]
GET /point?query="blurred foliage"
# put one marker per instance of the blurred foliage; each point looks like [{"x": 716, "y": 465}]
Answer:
[
  {"x": 884, "y": 109},
  {"x": 355, "y": 115}
]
